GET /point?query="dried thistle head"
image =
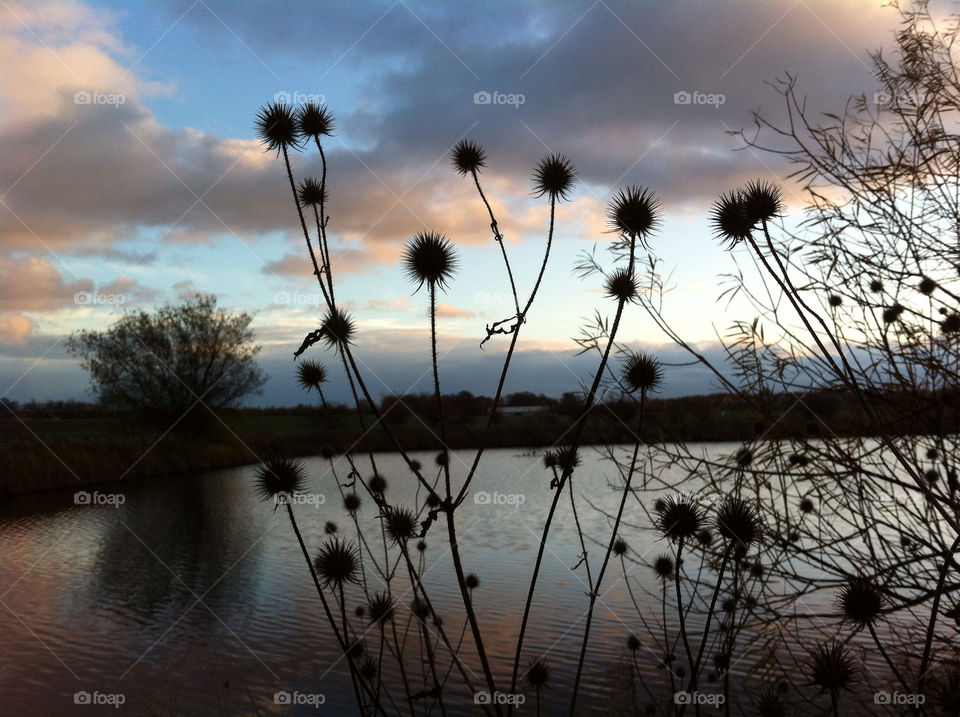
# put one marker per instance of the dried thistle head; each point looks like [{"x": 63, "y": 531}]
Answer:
[
  {"x": 377, "y": 484},
  {"x": 680, "y": 518},
  {"x": 731, "y": 221},
  {"x": 277, "y": 126},
  {"x": 280, "y": 475},
  {"x": 620, "y": 547},
  {"x": 468, "y": 157},
  {"x": 351, "y": 503},
  {"x": 400, "y": 523},
  {"x": 381, "y": 608},
  {"x": 663, "y": 566},
  {"x": 634, "y": 212},
  {"x": 311, "y": 192},
  {"x": 641, "y": 372},
  {"x": 861, "y": 602},
  {"x": 537, "y": 675},
  {"x": 832, "y": 667},
  {"x": 310, "y": 374},
  {"x": 314, "y": 120},
  {"x": 762, "y": 201},
  {"x": 549, "y": 460},
  {"x": 621, "y": 285},
  {"x": 337, "y": 328},
  {"x": 737, "y": 521},
  {"x": 553, "y": 176},
  {"x": 471, "y": 581},
  {"x": 337, "y": 563},
  {"x": 951, "y": 324},
  {"x": 892, "y": 313},
  {"x": 568, "y": 458},
  {"x": 927, "y": 286},
  {"x": 429, "y": 258}
]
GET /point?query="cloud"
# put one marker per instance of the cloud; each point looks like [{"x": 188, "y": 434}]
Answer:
[
  {"x": 447, "y": 311},
  {"x": 15, "y": 328},
  {"x": 30, "y": 283}
]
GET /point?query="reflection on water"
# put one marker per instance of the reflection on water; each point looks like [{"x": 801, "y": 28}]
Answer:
[{"x": 192, "y": 597}]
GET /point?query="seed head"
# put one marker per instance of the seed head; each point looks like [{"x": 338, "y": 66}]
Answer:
[
  {"x": 951, "y": 324},
  {"x": 338, "y": 329},
  {"x": 400, "y": 523},
  {"x": 280, "y": 475},
  {"x": 634, "y": 212},
  {"x": 468, "y": 157},
  {"x": 861, "y": 602},
  {"x": 832, "y": 667},
  {"x": 680, "y": 518},
  {"x": 892, "y": 313},
  {"x": 641, "y": 372},
  {"x": 621, "y": 285},
  {"x": 554, "y": 176},
  {"x": 620, "y": 547},
  {"x": 381, "y": 608},
  {"x": 471, "y": 581},
  {"x": 537, "y": 675},
  {"x": 663, "y": 567},
  {"x": 351, "y": 502},
  {"x": 311, "y": 193},
  {"x": 927, "y": 285},
  {"x": 762, "y": 201},
  {"x": 429, "y": 258},
  {"x": 277, "y": 127},
  {"x": 310, "y": 374},
  {"x": 337, "y": 563},
  {"x": 315, "y": 120},
  {"x": 377, "y": 484},
  {"x": 730, "y": 219},
  {"x": 737, "y": 522}
]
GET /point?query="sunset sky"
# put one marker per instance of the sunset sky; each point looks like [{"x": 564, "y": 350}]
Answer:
[{"x": 158, "y": 187}]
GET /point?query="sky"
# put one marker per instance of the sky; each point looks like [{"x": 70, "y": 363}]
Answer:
[{"x": 132, "y": 174}]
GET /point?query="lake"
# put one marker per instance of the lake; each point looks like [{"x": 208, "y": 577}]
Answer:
[{"x": 187, "y": 595}]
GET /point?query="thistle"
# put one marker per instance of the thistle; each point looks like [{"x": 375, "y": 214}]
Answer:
[
  {"x": 892, "y": 313},
  {"x": 951, "y": 324},
  {"x": 468, "y": 157},
  {"x": 337, "y": 563},
  {"x": 861, "y": 602},
  {"x": 537, "y": 675},
  {"x": 621, "y": 285},
  {"x": 381, "y": 608},
  {"x": 554, "y": 176},
  {"x": 400, "y": 523},
  {"x": 351, "y": 503},
  {"x": 663, "y": 567},
  {"x": 832, "y": 667},
  {"x": 471, "y": 581},
  {"x": 738, "y": 522},
  {"x": 927, "y": 286},
  {"x": 314, "y": 120},
  {"x": 277, "y": 127},
  {"x": 568, "y": 458},
  {"x": 429, "y": 258},
  {"x": 731, "y": 220},
  {"x": 377, "y": 484},
  {"x": 634, "y": 212},
  {"x": 310, "y": 374},
  {"x": 641, "y": 372},
  {"x": 337, "y": 329},
  {"x": 280, "y": 476},
  {"x": 680, "y": 518},
  {"x": 311, "y": 193},
  {"x": 620, "y": 547},
  {"x": 762, "y": 201}
]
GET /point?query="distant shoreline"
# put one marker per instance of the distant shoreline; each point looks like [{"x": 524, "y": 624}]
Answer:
[{"x": 42, "y": 452}]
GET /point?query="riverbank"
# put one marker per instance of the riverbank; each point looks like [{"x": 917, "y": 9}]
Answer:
[{"x": 44, "y": 451}]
